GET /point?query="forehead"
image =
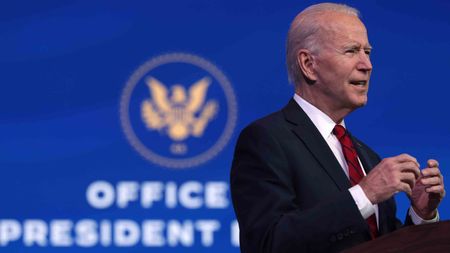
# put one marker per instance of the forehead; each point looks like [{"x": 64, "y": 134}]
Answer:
[{"x": 339, "y": 29}]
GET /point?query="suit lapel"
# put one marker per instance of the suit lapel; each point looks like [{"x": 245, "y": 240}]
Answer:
[
  {"x": 305, "y": 130},
  {"x": 368, "y": 166},
  {"x": 363, "y": 156}
]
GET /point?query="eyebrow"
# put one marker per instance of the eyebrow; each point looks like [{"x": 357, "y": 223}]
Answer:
[{"x": 358, "y": 45}]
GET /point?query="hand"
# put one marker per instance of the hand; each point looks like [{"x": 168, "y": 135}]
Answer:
[
  {"x": 390, "y": 176},
  {"x": 428, "y": 191}
]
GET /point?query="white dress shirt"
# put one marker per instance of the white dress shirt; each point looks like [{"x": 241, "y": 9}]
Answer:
[{"x": 325, "y": 125}]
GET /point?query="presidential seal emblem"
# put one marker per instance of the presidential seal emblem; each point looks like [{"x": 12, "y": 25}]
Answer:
[{"x": 178, "y": 110}]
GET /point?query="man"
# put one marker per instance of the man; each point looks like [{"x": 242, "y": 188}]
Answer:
[{"x": 299, "y": 181}]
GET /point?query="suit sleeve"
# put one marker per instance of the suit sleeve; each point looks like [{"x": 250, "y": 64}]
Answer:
[{"x": 266, "y": 205}]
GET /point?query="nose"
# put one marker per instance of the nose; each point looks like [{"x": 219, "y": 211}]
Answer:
[{"x": 364, "y": 63}]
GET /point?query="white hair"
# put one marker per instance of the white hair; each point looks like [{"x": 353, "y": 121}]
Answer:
[{"x": 302, "y": 34}]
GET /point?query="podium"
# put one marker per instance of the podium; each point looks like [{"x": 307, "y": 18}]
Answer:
[{"x": 427, "y": 238}]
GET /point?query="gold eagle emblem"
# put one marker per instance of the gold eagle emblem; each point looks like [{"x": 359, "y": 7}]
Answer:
[{"x": 179, "y": 115}]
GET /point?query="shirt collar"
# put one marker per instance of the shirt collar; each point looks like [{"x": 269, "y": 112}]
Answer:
[{"x": 323, "y": 122}]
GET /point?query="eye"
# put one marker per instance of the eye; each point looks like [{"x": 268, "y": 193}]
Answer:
[
  {"x": 351, "y": 51},
  {"x": 367, "y": 51}
]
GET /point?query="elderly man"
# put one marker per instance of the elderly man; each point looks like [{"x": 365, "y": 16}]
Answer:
[{"x": 300, "y": 182}]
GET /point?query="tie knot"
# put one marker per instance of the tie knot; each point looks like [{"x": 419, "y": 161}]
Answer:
[{"x": 339, "y": 131}]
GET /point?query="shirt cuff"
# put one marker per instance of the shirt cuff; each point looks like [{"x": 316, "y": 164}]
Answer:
[
  {"x": 417, "y": 220},
  {"x": 366, "y": 208}
]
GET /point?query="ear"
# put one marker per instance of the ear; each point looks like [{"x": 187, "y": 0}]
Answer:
[{"x": 305, "y": 61}]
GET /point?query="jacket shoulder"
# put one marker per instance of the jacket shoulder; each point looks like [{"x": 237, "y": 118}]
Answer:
[{"x": 270, "y": 123}]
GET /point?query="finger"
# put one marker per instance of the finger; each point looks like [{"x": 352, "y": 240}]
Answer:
[
  {"x": 406, "y": 158},
  {"x": 431, "y": 172},
  {"x": 429, "y": 181},
  {"x": 432, "y": 163},
  {"x": 410, "y": 167},
  {"x": 408, "y": 178},
  {"x": 404, "y": 187},
  {"x": 436, "y": 189}
]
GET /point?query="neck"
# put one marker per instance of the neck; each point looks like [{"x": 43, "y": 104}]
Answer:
[{"x": 336, "y": 115}]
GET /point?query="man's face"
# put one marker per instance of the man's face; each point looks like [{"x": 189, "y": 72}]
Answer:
[{"x": 342, "y": 65}]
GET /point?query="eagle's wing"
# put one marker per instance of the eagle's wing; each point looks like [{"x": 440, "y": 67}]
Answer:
[
  {"x": 159, "y": 95},
  {"x": 208, "y": 112},
  {"x": 150, "y": 116},
  {"x": 197, "y": 94}
]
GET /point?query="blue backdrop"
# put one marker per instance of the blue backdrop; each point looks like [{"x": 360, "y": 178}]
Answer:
[{"x": 72, "y": 178}]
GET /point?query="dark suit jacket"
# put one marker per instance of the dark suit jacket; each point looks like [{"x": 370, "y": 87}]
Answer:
[{"x": 289, "y": 192}]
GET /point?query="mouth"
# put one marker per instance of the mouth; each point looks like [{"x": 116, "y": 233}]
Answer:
[{"x": 359, "y": 83}]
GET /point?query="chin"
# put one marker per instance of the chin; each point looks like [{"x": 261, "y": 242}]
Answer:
[
  {"x": 362, "y": 103},
  {"x": 359, "y": 103}
]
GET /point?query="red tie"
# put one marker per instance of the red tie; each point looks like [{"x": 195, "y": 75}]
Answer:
[{"x": 355, "y": 171}]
